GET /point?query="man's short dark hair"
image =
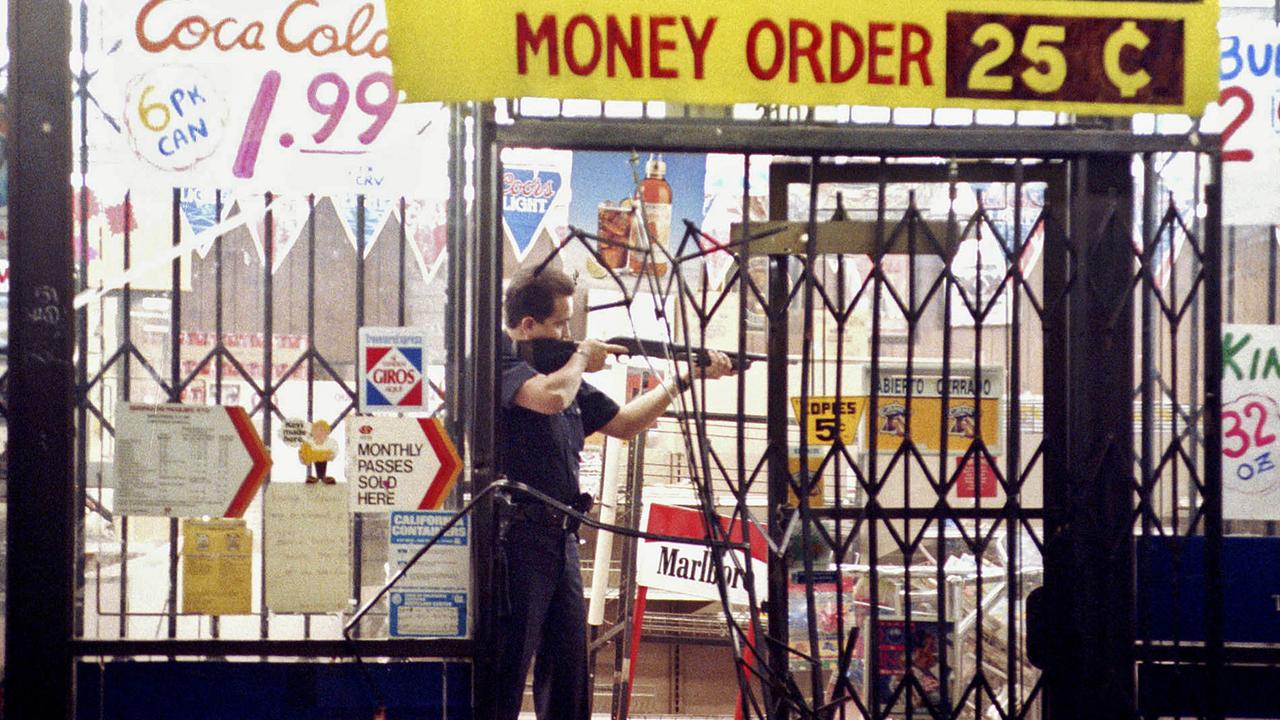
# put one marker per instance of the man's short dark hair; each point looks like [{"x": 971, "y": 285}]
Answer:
[{"x": 535, "y": 295}]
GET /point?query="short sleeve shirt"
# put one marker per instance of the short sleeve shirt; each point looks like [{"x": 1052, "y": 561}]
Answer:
[{"x": 539, "y": 450}]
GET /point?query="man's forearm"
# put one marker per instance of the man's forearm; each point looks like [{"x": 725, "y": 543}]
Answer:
[
  {"x": 568, "y": 378},
  {"x": 641, "y": 413},
  {"x": 552, "y": 393}
]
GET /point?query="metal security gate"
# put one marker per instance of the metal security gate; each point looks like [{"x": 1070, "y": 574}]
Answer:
[
  {"x": 264, "y": 316},
  {"x": 987, "y": 365},
  {"x": 1072, "y": 442}
]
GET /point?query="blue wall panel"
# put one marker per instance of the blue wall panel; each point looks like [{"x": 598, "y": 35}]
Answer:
[
  {"x": 1172, "y": 589},
  {"x": 136, "y": 690}
]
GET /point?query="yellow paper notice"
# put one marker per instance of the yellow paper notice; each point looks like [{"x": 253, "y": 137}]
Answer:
[{"x": 217, "y": 567}]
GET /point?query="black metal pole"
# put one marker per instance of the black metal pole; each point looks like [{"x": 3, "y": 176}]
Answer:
[
  {"x": 357, "y": 521},
  {"x": 486, "y": 283},
  {"x": 1013, "y": 455},
  {"x": 1213, "y": 524},
  {"x": 175, "y": 383},
  {"x": 1231, "y": 273},
  {"x": 268, "y": 394},
  {"x": 42, "y": 494},
  {"x": 623, "y": 646},
  {"x": 1272, "y": 239},
  {"x": 1149, "y": 385},
  {"x": 455, "y": 294},
  {"x": 1089, "y": 543},
  {"x": 778, "y": 296},
  {"x": 82, "y": 319},
  {"x": 125, "y": 395}
]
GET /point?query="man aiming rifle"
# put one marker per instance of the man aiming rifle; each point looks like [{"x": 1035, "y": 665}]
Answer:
[{"x": 547, "y": 411}]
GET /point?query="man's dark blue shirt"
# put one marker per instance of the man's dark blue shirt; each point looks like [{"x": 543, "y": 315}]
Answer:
[{"x": 542, "y": 451}]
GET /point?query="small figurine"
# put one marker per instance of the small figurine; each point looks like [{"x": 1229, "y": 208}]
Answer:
[{"x": 317, "y": 449}]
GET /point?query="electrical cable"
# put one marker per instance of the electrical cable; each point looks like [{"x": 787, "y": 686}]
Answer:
[
  {"x": 542, "y": 497},
  {"x": 493, "y": 487}
]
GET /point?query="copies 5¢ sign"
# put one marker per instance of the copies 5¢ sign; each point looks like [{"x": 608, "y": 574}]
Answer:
[{"x": 830, "y": 417}]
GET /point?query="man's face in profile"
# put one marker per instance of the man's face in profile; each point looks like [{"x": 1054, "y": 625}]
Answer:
[{"x": 555, "y": 327}]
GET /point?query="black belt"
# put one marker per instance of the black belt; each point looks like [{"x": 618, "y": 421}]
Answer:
[{"x": 536, "y": 513}]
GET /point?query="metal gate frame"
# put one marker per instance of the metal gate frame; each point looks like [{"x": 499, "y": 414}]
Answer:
[
  {"x": 44, "y": 394},
  {"x": 1089, "y": 664},
  {"x": 42, "y": 527},
  {"x": 42, "y": 502}
]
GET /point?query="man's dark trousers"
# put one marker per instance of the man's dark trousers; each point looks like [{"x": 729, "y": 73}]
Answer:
[{"x": 546, "y": 626}]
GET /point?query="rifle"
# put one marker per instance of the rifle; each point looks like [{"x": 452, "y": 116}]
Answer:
[
  {"x": 547, "y": 355},
  {"x": 664, "y": 350}
]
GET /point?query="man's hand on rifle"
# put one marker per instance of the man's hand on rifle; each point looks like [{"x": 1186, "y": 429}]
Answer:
[
  {"x": 718, "y": 366},
  {"x": 597, "y": 352}
]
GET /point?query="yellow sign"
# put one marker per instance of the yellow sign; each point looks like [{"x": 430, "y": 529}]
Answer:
[
  {"x": 822, "y": 425},
  {"x": 216, "y": 567},
  {"x": 963, "y": 423},
  {"x": 816, "y": 455},
  {"x": 1095, "y": 57}
]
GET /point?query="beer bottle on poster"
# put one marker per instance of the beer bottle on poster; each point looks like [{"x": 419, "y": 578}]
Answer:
[{"x": 655, "y": 191}]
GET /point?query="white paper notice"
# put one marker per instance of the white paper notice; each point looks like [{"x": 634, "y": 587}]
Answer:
[
  {"x": 186, "y": 460},
  {"x": 307, "y": 548}
]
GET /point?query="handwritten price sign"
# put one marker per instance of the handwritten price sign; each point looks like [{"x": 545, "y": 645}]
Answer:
[
  {"x": 1251, "y": 422},
  {"x": 174, "y": 116},
  {"x": 1246, "y": 116},
  {"x": 280, "y": 95},
  {"x": 1248, "y": 423},
  {"x": 328, "y": 96}
]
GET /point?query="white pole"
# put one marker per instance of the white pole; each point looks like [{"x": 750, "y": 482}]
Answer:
[{"x": 604, "y": 540}]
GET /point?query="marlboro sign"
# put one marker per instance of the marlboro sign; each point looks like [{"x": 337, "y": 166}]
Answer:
[{"x": 690, "y": 569}]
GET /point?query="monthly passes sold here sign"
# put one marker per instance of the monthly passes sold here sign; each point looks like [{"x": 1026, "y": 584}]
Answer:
[
  {"x": 399, "y": 463},
  {"x": 1101, "y": 58}
]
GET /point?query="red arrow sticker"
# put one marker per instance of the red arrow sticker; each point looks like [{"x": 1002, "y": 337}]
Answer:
[
  {"x": 257, "y": 452},
  {"x": 450, "y": 463}
]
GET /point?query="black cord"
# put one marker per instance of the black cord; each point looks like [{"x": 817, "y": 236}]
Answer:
[
  {"x": 701, "y": 480},
  {"x": 546, "y": 500}
]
